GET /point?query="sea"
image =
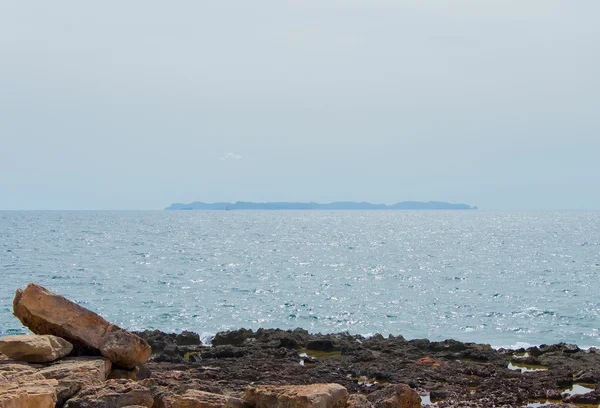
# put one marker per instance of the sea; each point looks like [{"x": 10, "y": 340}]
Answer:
[{"x": 509, "y": 279}]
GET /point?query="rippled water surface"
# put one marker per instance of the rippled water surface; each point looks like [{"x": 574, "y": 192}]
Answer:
[{"x": 497, "y": 277}]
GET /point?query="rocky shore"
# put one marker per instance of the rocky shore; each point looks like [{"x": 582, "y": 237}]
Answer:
[{"x": 76, "y": 359}]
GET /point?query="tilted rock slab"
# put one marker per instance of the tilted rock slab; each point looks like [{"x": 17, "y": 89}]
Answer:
[
  {"x": 44, "y": 312},
  {"x": 297, "y": 396},
  {"x": 35, "y": 348}
]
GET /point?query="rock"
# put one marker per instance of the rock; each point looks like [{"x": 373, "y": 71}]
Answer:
[
  {"x": 112, "y": 394},
  {"x": 28, "y": 393},
  {"x": 118, "y": 374},
  {"x": 187, "y": 338},
  {"x": 232, "y": 338},
  {"x": 44, "y": 312},
  {"x": 223, "y": 352},
  {"x": 139, "y": 373},
  {"x": 157, "y": 339},
  {"x": 321, "y": 345},
  {"x": 72, "y": 374},
  {"x": 201, "y": 399},
  {"x": 35, "y": 349},
  {"x": 297, "y": 396},
  {"x": 358, "y": 401},
  {"x": 395, "y": 396}
]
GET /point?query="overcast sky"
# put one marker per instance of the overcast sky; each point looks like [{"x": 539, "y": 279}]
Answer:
[{"x": 137, "y": 104}]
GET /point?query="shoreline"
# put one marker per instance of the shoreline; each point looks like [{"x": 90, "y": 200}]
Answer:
[
  {"x": 447, "y": 373},
  {"x": 206, "y": 337}
]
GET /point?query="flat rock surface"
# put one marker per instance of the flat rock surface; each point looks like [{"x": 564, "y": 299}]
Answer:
[
  {"x": 297, "y": 396},
  {"x": 69, "y": 375},
  {"x": 28, "y": 392},
  {"x": 35, "y": 348},
  {"x": 112, "y": 394}
]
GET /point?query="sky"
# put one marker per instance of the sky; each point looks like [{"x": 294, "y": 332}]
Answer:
[{"x": 137, "y": 104}]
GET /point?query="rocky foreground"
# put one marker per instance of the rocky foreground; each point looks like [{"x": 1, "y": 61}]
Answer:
[{"x": 76, "y": 359}]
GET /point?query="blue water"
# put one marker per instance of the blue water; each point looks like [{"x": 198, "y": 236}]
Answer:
[{"x": 504, "y": 278}]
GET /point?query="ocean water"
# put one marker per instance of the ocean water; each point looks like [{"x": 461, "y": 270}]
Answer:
[{"x": 504, "y": 278}]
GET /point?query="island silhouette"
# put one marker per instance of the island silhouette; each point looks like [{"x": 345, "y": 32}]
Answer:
[{"x": 337, "y": 205}]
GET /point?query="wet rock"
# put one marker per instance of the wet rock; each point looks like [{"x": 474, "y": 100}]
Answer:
[
  {"x": 395, "y": 396},
  {"x": 201, "y": 399},
  {"x": 44, "y": 312},
  {"x": 289, "y": 343},
  {"x": 35, "y": 348},
  {"x": 232, "y": 338},
  {"x": 358, "y": 401},
  {"x": 157, "y": 339},
  {"x": 112, "y": 394},
  {"x": 321, "y": 345},
  {"x": 448, "y": 345},
  {"x": 187, "y": 338},
  {"x": 591, "y": 398},
  {"x": 223, "y": 352},
  {"x": 27, "y": 392},
  {"x": 297, "y": 396}
]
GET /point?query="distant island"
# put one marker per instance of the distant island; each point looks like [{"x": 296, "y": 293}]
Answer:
[{"x": 338, "y": 205}]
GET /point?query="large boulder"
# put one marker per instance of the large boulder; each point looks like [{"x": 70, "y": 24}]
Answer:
[
  {"x": 201, "y": 399},
  {"x": 44, "y": 312},
  {"x": 113, "y": 394},
  {"x": 297, "y": 396},
  {"x": 35, "y": 349},
  {"x": 395, "y": 396}
]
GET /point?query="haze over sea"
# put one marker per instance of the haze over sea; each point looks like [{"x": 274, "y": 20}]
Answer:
[{"x": 504, "y": 278}]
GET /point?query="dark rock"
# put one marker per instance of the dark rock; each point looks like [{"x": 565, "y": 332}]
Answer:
[
  {"x": 187, "y": 338},
  {"x": 223, "y": 352},
  {"x": 233, "y": 338},
  {"x": 157, "y": 339},
  {"x": 321, "y": 345},
  {"x": 591, "y": 398}
]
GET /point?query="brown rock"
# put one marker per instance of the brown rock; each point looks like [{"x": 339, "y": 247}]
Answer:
[
  {"x": 201, "y": 399},
  {"x": 28, "y": 393},
  {"x": 358, "y": 401},
  {"x": 395, "y": 396},
  {"x": 118, "y": 374},
  {"x": 428, "y": 361},
  {"x": 297, "y": 396},
  {"x": 34, "y": 348},
  {"x": 77, "y": 373},
  {"x": 112, "y": 394},
  {"x": 72, "y": 374},
  {"x": 44, "y": 312}
]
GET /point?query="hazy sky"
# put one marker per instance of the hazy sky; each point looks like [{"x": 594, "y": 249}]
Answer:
[{"x": 137, "y": 104}]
